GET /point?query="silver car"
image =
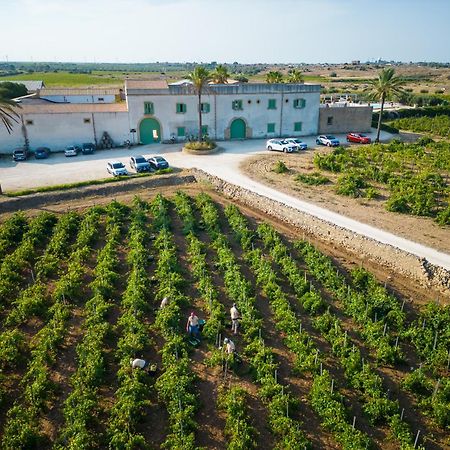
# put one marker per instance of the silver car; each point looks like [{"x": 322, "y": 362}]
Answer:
[{"x": 116, "y": 168}]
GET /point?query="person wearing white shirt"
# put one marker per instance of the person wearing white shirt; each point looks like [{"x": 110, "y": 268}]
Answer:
[
  {"x": 235, "y": 316},
  {"x": 164, "y": 302},
  {"x": 138, "y": 363},
  {"x": 229, "y": 346}
]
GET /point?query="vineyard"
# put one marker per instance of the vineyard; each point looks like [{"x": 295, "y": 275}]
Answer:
[
  {"x": 325, "y": 357},
  {"x": 412, "y": 178}
]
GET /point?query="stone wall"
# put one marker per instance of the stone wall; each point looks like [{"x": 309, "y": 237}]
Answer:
[
  {"x": 399, "y": 261},
  {"x": 344, "y": 119}
]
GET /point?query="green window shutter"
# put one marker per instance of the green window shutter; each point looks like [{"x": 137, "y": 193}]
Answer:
[
  {"x": 204, "y": 130},
  {"x": 181, "y": 132},
  {"x": 271, "y": 128},
  {"x": 237, "y": 105},
  {"x": 205, "y": 108},
  {"x": 272, "y": 104},
  {"x": 181, "y": 107},
  {"x": 148, "y": 108},
  {"x": 299, "y": 103},
  {"x": 297, "y": 126}
]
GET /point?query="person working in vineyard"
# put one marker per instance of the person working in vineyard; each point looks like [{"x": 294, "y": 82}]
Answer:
[
  {"x": 164, "y": 302},
  {"x": 235, "y": 316},
  {"x": 229, "y": 346},
  {"x": 139, "y": 363},
  {"x": 192, "y": 325}
]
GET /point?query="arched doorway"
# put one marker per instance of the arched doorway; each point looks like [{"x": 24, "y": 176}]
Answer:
[
  {"x": 149, "y": 131},
  {"x": 237, "y": 129}
]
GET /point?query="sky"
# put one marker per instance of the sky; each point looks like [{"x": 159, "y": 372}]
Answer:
[{"x": 247, "y": 31}]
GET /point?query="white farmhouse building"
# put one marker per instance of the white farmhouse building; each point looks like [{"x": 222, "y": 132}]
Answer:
[{"x": 153, "y": 111}]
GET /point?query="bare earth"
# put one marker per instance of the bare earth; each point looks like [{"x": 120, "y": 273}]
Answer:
[{"x": 419, "y": 229}]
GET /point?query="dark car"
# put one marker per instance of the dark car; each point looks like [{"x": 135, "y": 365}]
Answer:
[
  {"x": 139, "y": 164},
  {"x": 158, "y": 162},
  {"x": 88, "y": 148},
  {"x": 20, "y": 154},
  {"x": 42, "y": 153}
]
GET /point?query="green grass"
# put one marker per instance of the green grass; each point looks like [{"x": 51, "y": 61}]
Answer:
[
  {"x": 62, "y": 187},
  {"x": 99, "y": 78}
]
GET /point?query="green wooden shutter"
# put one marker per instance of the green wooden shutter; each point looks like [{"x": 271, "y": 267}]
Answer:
[
  {"x": 271, "y": 128},
  {"x": 148, "y": 108},
  {"x": 272, "y": 104},
  {"x": 297, "y": 126},
  {"x": 181, "y": 132}
]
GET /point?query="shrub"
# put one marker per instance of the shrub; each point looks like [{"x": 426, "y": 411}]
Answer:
[
  {"x": 313, "y": 179},
  {"x": 443, "y": 217},
  {"x": 372, "y": 193},
  {"x": 201, "y": 145},
  {"x": 424, "y": 91},
  {"x": 351, "y": 184},
  {"x": 333, "y": 75},
  {"x": 280, "y": 167}
]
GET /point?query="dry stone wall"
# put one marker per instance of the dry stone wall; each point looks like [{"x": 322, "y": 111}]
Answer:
[{"x": 396, "y": 260}]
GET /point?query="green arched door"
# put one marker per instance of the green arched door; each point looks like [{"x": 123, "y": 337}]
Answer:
[
  {"x": 149, "y": 131},
  {"x": 237, "y": 129}
]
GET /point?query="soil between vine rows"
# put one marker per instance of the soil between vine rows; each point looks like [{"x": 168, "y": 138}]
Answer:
[{"x": 211, "y": 420}]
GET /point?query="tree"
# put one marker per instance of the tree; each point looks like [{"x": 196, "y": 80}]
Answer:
[
  {"x": 7, "y": 113},
  {"x": 200, "y": 77},
  {"x": 274, "y": 76},
  {"x": 220, "y": 75},
  {"x": 10, "y": 90},
  {"x": 382, "y": 88},
  {"x": 295, "y": 76}
]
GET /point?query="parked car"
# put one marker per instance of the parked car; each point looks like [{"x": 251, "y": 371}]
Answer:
[
  {"x": 358, "y": 138},
  {"x": 20, "y": 154},
  {"x": 297, "y": 142},
  {"x": 88, "y": 148},
  {"x": 140, "y": 164},
  {"x": 328, "y": 140},
  {"x": 158, "y": 162},
  {"x": 71, "y": 150},
  {"x": 280, "y": 145},
  {"x": 116, "y": 168},
  {"x": 42, "y": 153}
]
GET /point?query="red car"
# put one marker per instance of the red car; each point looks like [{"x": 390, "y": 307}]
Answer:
[{"x": 358, "y": 138}]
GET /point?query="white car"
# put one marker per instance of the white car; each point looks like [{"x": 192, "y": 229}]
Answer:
[
  {"x": 297, "y": 142},
  {"x": 116, "y": 168},
  {"x": 71, "y": 150},
  {"x": 280, "y": 145},
  {"x": 328, "y": 140}
]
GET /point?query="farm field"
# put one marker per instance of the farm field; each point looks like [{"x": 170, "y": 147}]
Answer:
[
  {"x": 400, "y": 187},
  {"x": 331, "y": 358}
]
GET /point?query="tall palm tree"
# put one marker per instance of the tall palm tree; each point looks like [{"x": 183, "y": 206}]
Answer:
[
  {"x": 274, "y": 76},
  {"x": 295, "y": 76},
  {"x": 200, "y": 77},
  {"x": 220, "y": 75},
  {"x": 383, "y": 88},
  {"x": 7, "y": 113}
]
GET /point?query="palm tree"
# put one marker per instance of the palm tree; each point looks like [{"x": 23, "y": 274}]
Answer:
[
  {"x": 220, "y": 75},
  {"x": 295, "y": 76},
  {"x": 383, "y": 88},
  {"x": 274, "y": 76},
  {"x": 200, "y": 77},
  {"x": 7, "y": 113}
]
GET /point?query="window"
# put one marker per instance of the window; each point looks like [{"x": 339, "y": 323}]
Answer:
[
  {"x": 181, "y": 132},
  {"x": 249, "y": 102},
  {"x": 237, "y": 105},
  {"x": 299, "y": 103},
  {"x": 181, "y": 108},
  {"x": 87, "y": 120},
  {"x": 205, "y": 108},
  {"x": 100, "y": 99},
  {"x": 204, "y": 130},
  {"x": 330, "y": 120},
  {"x": 29, "y": 122},
  {"x": 272, "y": 104},
  {"x": 297, "y": 126},
  {"x": 271, "y": 128},
  {"x": 148, "y": 108}
]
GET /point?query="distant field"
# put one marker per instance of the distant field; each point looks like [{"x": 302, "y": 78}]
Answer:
[{"x": 110, "y": 79}]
